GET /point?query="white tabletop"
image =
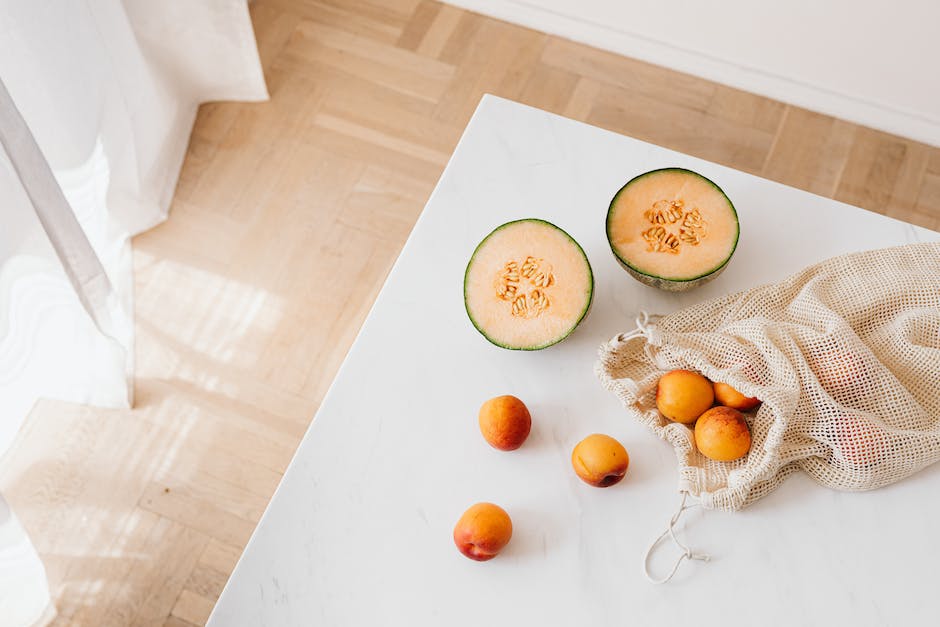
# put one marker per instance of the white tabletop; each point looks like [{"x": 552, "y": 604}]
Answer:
[{"x": 359, "y": 531}]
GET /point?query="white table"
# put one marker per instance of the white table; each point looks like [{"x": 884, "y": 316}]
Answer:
[{"x": 359, "y": 531}]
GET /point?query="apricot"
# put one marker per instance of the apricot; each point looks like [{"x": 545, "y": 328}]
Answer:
[
  {"x": 683, "y": 396},
  {"x": 600, "y": 461},
  {"x": 483, "y": 531},
  {"x": 505, "y": 422},
  {"x": 841, "y": 371},
  {"x": 722, "y": 434},
  {"x": 730, "y": 397},
  {"x": 859, "y": 443}
]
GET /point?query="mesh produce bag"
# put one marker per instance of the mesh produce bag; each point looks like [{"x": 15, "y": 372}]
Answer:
[{"x": 844, "y": 355}]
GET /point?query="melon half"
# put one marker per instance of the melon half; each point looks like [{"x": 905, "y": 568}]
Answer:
[
  {"x": 672, "y": 228},
  {"x": 528, "y": 285}
]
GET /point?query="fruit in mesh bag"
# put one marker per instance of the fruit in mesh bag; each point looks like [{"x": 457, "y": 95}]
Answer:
[
  {"x": 722, "y": 434},
  {"x": 840, "y": 371},
  {"x": 483, "y": 531},
  {"x": 730, "y": 397},
  {"x": 858, "y": 443},
  {"x": 683, "y": 395},
  {"x": 600, "y": 460},
  {"x": 505, "y": 422}
]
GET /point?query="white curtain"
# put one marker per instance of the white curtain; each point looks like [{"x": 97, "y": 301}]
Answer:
[{"x": 96, "y": 104}]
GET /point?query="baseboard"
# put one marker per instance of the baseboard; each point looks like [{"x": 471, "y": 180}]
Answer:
[{"x": 913, "y": 125}]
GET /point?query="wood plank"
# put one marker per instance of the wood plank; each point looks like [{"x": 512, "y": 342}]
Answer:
[
  {"x": 385, "y": 204},
  {"x": 310, "y": 328},
  {"x": 475, "y": 40},
  {"x": 746, "y": 109},
  {"x": 350, "y": 141},
  {"x": 926, "y": 210},
  {"x": 810, "y": 151},
  {"x": 582, "y": 100},
  {"x": 516, "y": 55},
  {"x": 221, "y": 492},
  {"x": 929, "y": 198},
  {"x": 380, "y": 10},
  {"x": 192, "y": 607},
  {"x": 655, "y": 83},
  {"x": 463, "y": 35},
  {"x": 155, "y": 584},
  {"x": 246, "y": 166},
  {"x": 549, "y": 88},
  {"x": 213, "y": 121},
  {"x": 874, "y": 164},
  {"x": 387, "y": 65},
  {"x": 689, "y": 130},
  {"x": 196, "y": 514},
  {"x": 419, "y": 24},
  {"x": 382, "y": 26},
  {"x": 933, "y": 165},
  {"x": 206, "y": 582},
  {"x": 908, "y": 186},
  {"x": 365, "y": 288},
  {"x": 116, "y": 601},
  {"x": 394, "y": 142},
  {"x": 220, "y": 556},
  {"x": 439, "y": 33},
  {"x": 273, "y": 29}
]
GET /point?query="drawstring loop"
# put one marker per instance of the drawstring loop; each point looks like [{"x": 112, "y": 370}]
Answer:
[
  {"x": 641, "y": 330},
  {"x": 687, "y": 553}
]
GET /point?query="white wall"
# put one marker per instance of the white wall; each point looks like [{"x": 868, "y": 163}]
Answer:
[{"x": 875, "y": 62}]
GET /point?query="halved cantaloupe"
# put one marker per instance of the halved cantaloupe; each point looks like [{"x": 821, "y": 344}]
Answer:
[
  {"x": 528, "y": 285},
  {"x": 672, "y": 228}
]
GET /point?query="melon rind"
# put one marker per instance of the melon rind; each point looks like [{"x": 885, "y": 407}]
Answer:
[
  {"x": 574, "y": 325},
  {"x": 663, "y": 283}
]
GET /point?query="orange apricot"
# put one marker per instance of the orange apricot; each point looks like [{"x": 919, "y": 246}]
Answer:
[
  {"x": 730, "y": 397},
  {"x": 483, "y": 531},
  {"x": 505, "y": 422},
  {"x": 683, "y": 396},
  {"x": 842, "y": 371},
  {"x": 600, "y": 460},
  {"x": 859, "y": 443},
  {"x": 722, "y": 434}
]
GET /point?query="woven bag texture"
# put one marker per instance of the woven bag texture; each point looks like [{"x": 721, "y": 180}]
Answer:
[{"x": 845, "y": 356}]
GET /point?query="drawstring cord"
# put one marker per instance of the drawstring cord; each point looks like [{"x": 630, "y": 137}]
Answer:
[
  {"x": 646, "y": 328},
  {"x": 642, "y": 324},
  {"x": 687, "y": 553}
]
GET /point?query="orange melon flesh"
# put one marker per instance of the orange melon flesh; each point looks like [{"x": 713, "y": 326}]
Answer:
[
  {"x": 528, "y": 285},
  {"x": 672, "y": 228}
]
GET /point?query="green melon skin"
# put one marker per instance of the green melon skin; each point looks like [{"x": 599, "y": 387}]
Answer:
[
  {"x": 663, "y": 283},
  {"x": 586, "y": 310},
  {"x": 671, "y": 285}
]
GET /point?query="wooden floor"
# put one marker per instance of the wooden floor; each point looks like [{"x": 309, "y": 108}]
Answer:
[{"x": 287, "y": 218}]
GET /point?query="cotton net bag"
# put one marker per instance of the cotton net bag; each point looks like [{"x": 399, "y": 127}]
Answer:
[{"x": 845, "y": 356}]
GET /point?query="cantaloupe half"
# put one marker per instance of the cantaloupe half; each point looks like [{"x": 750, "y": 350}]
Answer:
[
  {"x": 528, "y": 285},
  {"x": 672, "y": 228}
]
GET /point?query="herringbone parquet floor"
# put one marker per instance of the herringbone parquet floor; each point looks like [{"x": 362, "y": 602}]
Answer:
[{"x": 286, "y": 220}]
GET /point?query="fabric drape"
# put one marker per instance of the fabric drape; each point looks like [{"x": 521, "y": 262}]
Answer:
[{"x": 96, "y": 106}]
